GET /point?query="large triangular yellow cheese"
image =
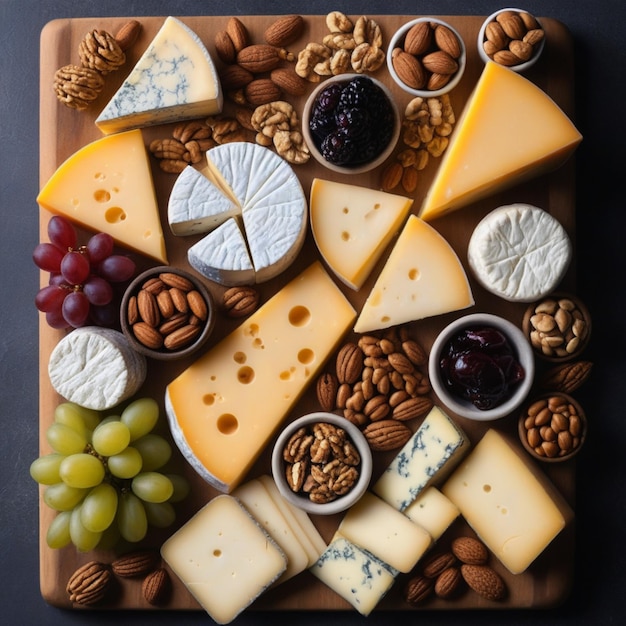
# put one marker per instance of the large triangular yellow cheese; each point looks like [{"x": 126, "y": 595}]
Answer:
[
  {"x": 106, "y": 186},
  {"x": 422, "y": 277},
  {"x": 509, "y": 131},
  {"x": 353, "y": 225}
]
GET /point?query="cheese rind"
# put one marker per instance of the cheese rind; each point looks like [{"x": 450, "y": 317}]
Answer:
[
  {"x": 223, "y": 409},
  {"x": 107, "y": 186},
  {"x": 427, "y": 458},
  {"x": 377, "y": 527},
  {"x": 357, "y": 576},
  {"x": 224, "y": 558},
  {"x": 508, "y": 501},
  {"x": 422, "y": 277},
  {"x": 526, "y": 133},
  {"x": 352, "y": 226},
  {"x": 432, "y": 511},
  {"x": 175, "y": 79},
  {"x": 519, "y": 252}
]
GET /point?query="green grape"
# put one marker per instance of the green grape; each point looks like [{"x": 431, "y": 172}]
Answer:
[
  {"x": 99, "y": 508},
  {"x": 82, "y": 470},
  {"x": 45, "y": 469},
  {"x": 110, "y": 438},
  {"x": 181, "y": 487},
  {"x": 155, "y": 451},
  {"x": 65, "y": 440},
  {"x": 141, "y": 417},
  {"x": 110, "y": 418},
  {"x": 126, "y": 464},
  {"x": 109, "y": 538},
  {"x": 81, "y": 419},
  {"x": 160, "y": 514},
  {"x": 58, "y": 535},
  {"x": 152, "y": 487},
  {"x": 131, "y": 517},
  {"x": 85, "y": 540},
  {"x": 62, "y": 497}
]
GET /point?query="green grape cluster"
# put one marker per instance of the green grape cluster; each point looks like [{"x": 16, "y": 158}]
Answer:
[{"x": 103, "y": 476}]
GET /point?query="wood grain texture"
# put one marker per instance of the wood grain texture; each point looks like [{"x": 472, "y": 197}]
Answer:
[{"x": 63, "y": 131}]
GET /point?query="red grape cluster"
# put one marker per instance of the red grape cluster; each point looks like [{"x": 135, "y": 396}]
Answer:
[{"x": 80, "y": 289}]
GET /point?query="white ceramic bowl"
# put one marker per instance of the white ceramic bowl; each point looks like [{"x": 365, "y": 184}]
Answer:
[
  {"x": 344, "y": 169},
  {"x": 520, "y": 67},
  {"x": 302, "y": 500},
  {"x": 397, "y": 41},
  {"x": 523, "y": 352}
]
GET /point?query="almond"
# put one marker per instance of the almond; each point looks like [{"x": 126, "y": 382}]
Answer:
[
  {"x": 392, "y": 175},
  {"x": 262, "y": 91},
  {"x": 495, "y": 33},
  {"x": 156, "y": 587},
  {"x": 238, "y": 33},
  {"x": 165, "y": 304},
  {"x": 148, "y": 308},
  {"x": 512, "y": 24},
  {"x": 127, "y": 34},
  {"x": 418, "y": 589},
  {"x": 484, "y": 580},
  {"x": 448, "y": 582},
  {"x": 327, "y": 386},
  {"x": 284, "y": 31},
  {"x": 418, "y": 38},
  {"x": 224, "y": 47},
  {"x": 470, "y": 550},
  {"x": 176, "y": 280},
  {"x": 440, "y": 62},
  {"x": 147, "y": 335},
  {"x": 437, "y": 81},
  {"x": 386, "y": 435},
  {"x": 349, "y": 363},
  {"x": 447, "y": 41},
  {"x": 287, "y": 79},
  {"x": 135, "y": 563},
  {"x": 258, "y": 58},
  {"x": 437, "y": 563},
  {"x": 408, "y": 69},
  {"x": 234, "y": 77},
  {"x": 521, "y": 49},
  {"x": 181, "y": 337},
  {"x": 197, "y": 304},
  {"x": 506, "y": 58}
]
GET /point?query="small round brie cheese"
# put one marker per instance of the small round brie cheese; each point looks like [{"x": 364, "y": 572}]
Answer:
[{"x": 519, "y": 252}]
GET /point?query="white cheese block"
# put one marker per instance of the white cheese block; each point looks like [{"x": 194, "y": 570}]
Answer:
[
  {"x": 96, "y": 368},
  {"x": 196, "y": 205},
  {"x": 508, "y": 501},
  {"x": 519, "y": 252},
  {"x": 262, "y": 507},
  {"x": 421, "y": 278},
  {"x": 224, "y": 558},
  {"x": 376, "y": 526},
  {"x": 433, "y": 512},
  {"x": 175, "y": 79},
  {"x": 222, "y": 255},
  {"x": 427, "y": 457},
  {"x": 354, "y": 574},
  {"x": 260, "y": 189}
]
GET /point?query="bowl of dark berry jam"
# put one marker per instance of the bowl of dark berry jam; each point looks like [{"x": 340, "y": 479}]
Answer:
[
  {"x": 481, "y": 367},
  {"x": 351, "y": 123}
]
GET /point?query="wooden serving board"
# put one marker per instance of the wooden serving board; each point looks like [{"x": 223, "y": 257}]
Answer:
[{"x": 63, "y": 131}]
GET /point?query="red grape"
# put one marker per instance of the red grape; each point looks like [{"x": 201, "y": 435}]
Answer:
[
  {"x": 47, "y": 257},
  {"x": 76, "y": 308},
  {"x": 100, "y": 246},
  {"x": 55, "y": 319},
  {"x": 61, "y": 233},
  {"x": 117, "y": 268},
  {"x": 98, "y": 291},
  {"x": 50, "y": 298},
  {"x": 75, "y": 267}
]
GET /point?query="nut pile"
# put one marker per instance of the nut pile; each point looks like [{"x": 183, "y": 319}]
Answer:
[
  {"x": 167, "y": 312},
  {"x": 512, "y": 37},
  {"x": 445, "y": 573},
  {"x": 322, "y": 462},
  {"x": 428, "y": 57},
  {"x": 558, "y": 327},
  {"x": 426, "y": 126},
  {"x": 553, "y": 427},
  {"x": 92, "y": 582},
  {"x": 378, "y": 386}
]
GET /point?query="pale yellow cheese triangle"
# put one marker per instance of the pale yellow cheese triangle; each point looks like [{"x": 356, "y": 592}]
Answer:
[
  {"x": 422, "y": 277},
  {"x": 509, "y": 131},
  {"x": 107, "y": 186}
]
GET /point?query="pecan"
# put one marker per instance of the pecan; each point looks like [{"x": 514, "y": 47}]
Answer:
[
  {"x": 156, "y": 586},
  {"x": 418, "y": 589},
  {"x": 240, "y": 301},
  {"x": 327, "y": 387},
  {"x": 437, "y": 563},
  {"x": 135, "y": 563},
  {"x": 386, "y": 435},
  {"x": 567, "y": 377},
  {"x": 412, "y": 408},
  {"x": 89, "y": 583},
  {"x": 349, "y": 363},
  {"x": 448, "y": 582}
]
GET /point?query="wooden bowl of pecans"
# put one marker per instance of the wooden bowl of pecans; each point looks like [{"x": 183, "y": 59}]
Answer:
[
  {"x": 553, "y": 427},
  {"x": 166, "y": 313},
  {"x": 322, "y": 463}
]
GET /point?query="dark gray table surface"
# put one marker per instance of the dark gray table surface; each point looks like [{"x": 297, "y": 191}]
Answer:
[{"x": 598, "y": 30}]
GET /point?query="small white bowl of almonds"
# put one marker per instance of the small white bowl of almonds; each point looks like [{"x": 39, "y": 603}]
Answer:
[
  {"x": 322, "y": 463},
  {"x": 513, "y": 38}
]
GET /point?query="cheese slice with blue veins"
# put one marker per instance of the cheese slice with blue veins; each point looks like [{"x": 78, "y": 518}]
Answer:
[{"x": 175, "y": 79}]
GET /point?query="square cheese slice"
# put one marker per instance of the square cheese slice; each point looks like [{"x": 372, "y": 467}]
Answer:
[
  {"x": 377, "y": 527},
  {"x": 427, "y": 457},
  {"x": 224, "y": 558},
  {"x": 508, "y": 501},
  {"x": 433, "y": 512}
]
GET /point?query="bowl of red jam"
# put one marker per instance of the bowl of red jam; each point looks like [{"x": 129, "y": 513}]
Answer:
[{"x": 481, "y": 367}]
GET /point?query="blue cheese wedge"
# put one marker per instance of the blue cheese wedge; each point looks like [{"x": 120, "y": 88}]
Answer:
[
  {"x": 519, "y": 252},
  {"x": 175, "y": 79},
  {"x": 96, "y": 368}
]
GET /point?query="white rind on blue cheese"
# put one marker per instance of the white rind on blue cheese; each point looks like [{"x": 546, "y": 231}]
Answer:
[
  {"x": 96, "y": 368},
  {"x": 354, "y": 574},
  {"x": 519, "y": 252},
  {"x": 428, "y": 457},
  {"x": 257, "y": 187},
  {"x": 175, "y": 79}
]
